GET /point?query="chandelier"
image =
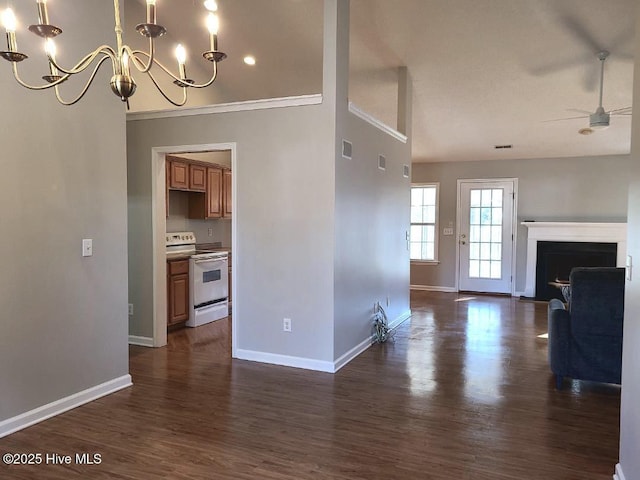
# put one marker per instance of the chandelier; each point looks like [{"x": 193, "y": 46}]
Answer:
[{"x": 122, "y": 57}]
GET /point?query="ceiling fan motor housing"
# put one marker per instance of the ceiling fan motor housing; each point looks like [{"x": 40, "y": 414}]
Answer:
[{"x": 599, "y": 119}]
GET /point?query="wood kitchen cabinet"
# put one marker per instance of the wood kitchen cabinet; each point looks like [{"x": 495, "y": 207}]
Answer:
[
  {"x": 177, "y": 291},
  {"x": 226, "y": 193},
  {"x": 209, "y": 187},
  {"x": 208, "y": 205},
  {"x": 184, "y": 175},
  {"x": 178, "y": 175},
  {"x": 197, "y": 178}
]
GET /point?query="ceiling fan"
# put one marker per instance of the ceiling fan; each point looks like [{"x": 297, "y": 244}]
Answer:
[{"x": 599, "y": 119}]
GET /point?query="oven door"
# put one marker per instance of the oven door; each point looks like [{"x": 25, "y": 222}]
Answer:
[{"x": 210, "y": 280}]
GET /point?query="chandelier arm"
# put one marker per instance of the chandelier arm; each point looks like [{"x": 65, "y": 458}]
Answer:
[
  {"x": 178, "y": 79},
  {"x": 86, "y": 87},
  {"x": 177, "y": 104},
  {"x": 155, "y": 61},
  {"x": 140, "y": 66},
  {"x": 83, "y": 64},
  {"x": 211, "y": 80},
  {"x": 36, "y": 87}
]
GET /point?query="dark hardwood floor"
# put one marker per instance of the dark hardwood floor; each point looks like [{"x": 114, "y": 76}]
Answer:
[{"x": 464, "y": 392}]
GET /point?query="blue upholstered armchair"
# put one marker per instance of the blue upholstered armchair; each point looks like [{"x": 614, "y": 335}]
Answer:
[{"x": 585, "y": 341}]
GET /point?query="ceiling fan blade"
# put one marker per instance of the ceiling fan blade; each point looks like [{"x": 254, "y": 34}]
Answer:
[
  {"x": 559, "y": 65},
  {"x": 567, "y": 118},
  {"x": 577, "y": 29},
  {"x": 577, "y": 110},
  {"x": 619, "y": 111}
]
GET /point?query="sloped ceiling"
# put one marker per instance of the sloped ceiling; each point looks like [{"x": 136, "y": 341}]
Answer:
[{"x": 485, "y": 72}]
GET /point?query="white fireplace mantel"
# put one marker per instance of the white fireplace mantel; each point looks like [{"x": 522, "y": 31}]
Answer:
[{"x": 570, "y": 232}]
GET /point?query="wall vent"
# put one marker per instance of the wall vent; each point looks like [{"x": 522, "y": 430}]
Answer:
[
  {"x": 405, "y": 171},
  {"x": 347, "y": 149},
  {"x": 502, "y": 147},
  {"x": 382, "y": 162}
]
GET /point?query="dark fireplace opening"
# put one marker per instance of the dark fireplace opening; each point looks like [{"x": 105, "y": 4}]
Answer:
[{"x": 556, "y": 259}]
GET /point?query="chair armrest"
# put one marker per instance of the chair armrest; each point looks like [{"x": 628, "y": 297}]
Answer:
[{"x": 559, "y": 324}]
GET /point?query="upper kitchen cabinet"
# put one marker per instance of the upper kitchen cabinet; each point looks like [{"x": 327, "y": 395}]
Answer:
[
  {"x": 197, "y": 178},
  {"x": 226, "y": 192},
  {"x": 209, "y": 205},
  {"x": 178, "y": 175},
  {"x": 184, "y": 175}
]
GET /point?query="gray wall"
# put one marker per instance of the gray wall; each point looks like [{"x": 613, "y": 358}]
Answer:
[
  {"x": 296, "y": 255},
  {"x": 589, "y": 189},
  {"x": 284, "y": 214},
  {"x": 64, "y": 317},
  {"x": 372, "y": 218},
  {"x": 629, "y": 412}
]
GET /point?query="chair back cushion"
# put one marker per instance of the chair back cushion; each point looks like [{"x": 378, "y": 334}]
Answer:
[{"x": 597, "y": 301}]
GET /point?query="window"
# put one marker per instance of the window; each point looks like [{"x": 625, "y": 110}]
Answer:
[{"x": 424, "y": 226}]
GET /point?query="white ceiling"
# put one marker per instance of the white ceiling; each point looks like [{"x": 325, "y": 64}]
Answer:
[{"x": 485, "y": 72}]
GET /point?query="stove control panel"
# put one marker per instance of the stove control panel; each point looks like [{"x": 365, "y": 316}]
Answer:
[{"x": 180, "y": 238}]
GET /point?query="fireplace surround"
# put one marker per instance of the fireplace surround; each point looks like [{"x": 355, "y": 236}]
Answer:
[{"x": 578, "y": 232}]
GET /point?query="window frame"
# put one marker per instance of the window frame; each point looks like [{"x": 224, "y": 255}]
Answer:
[{"x": 436, "y": 236}]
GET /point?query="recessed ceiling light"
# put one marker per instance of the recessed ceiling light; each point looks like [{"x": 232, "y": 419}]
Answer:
[
  {"x": 250, "y": 60},
  {"x": 211, "y": 5}
]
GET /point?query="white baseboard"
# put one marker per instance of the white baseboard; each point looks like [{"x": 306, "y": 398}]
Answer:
[
  {"x": 351, "y": 354},
  {"x": 310, "y": 363},
  {"x": 366, "y": 343},
  {"x": 52, "y": 409},
  {"x": 619, "y": 475},
  {"x": 432, "y": 288},
  {"x": 141, "y": 341},
  {"x": 285, "y": 360}
]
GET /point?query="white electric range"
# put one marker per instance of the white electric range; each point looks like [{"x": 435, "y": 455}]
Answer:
[{"x": 208, "y": 278}]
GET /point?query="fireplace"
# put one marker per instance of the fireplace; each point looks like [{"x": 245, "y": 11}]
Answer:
[
  {"x": 556, "y": 259},
  {"x": 571, "y": 232}
]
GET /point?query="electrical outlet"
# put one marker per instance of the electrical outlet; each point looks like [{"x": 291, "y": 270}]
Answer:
[
  {"x": 131, "y": 309},
  {"x": 286, "y": 325},
  {"x": 211, "y": 232},
  {"x": 87, "y": 247}
]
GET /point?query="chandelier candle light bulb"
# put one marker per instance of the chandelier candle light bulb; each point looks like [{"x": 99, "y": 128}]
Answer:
[
  {"x": 43, "y": 15},
  {"x": 151, "y": 11},
  {"x": 9, "y": 22},
  {"x": 50, "y": 49},
  {"x": 213, "y": 25},
  {"x": 181, "y": 56}
]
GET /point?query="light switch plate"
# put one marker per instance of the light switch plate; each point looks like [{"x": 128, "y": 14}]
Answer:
[
  {"x": 447, "y": 231},
  {"x": 87, "y": 247},
  {"x": 629, "y": 267}
]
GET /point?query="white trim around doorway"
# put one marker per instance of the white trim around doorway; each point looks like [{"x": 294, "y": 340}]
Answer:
[
  {"x": 513, "y": 225},
  {"x": 159, "y": 228}
]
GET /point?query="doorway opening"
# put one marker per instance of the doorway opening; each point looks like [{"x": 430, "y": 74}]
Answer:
[
  {"x": 172, "y": 218},
  {"x": 486, "y": 215}
]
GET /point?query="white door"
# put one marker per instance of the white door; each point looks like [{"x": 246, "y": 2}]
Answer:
[{"x": 485, "y": 235}]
